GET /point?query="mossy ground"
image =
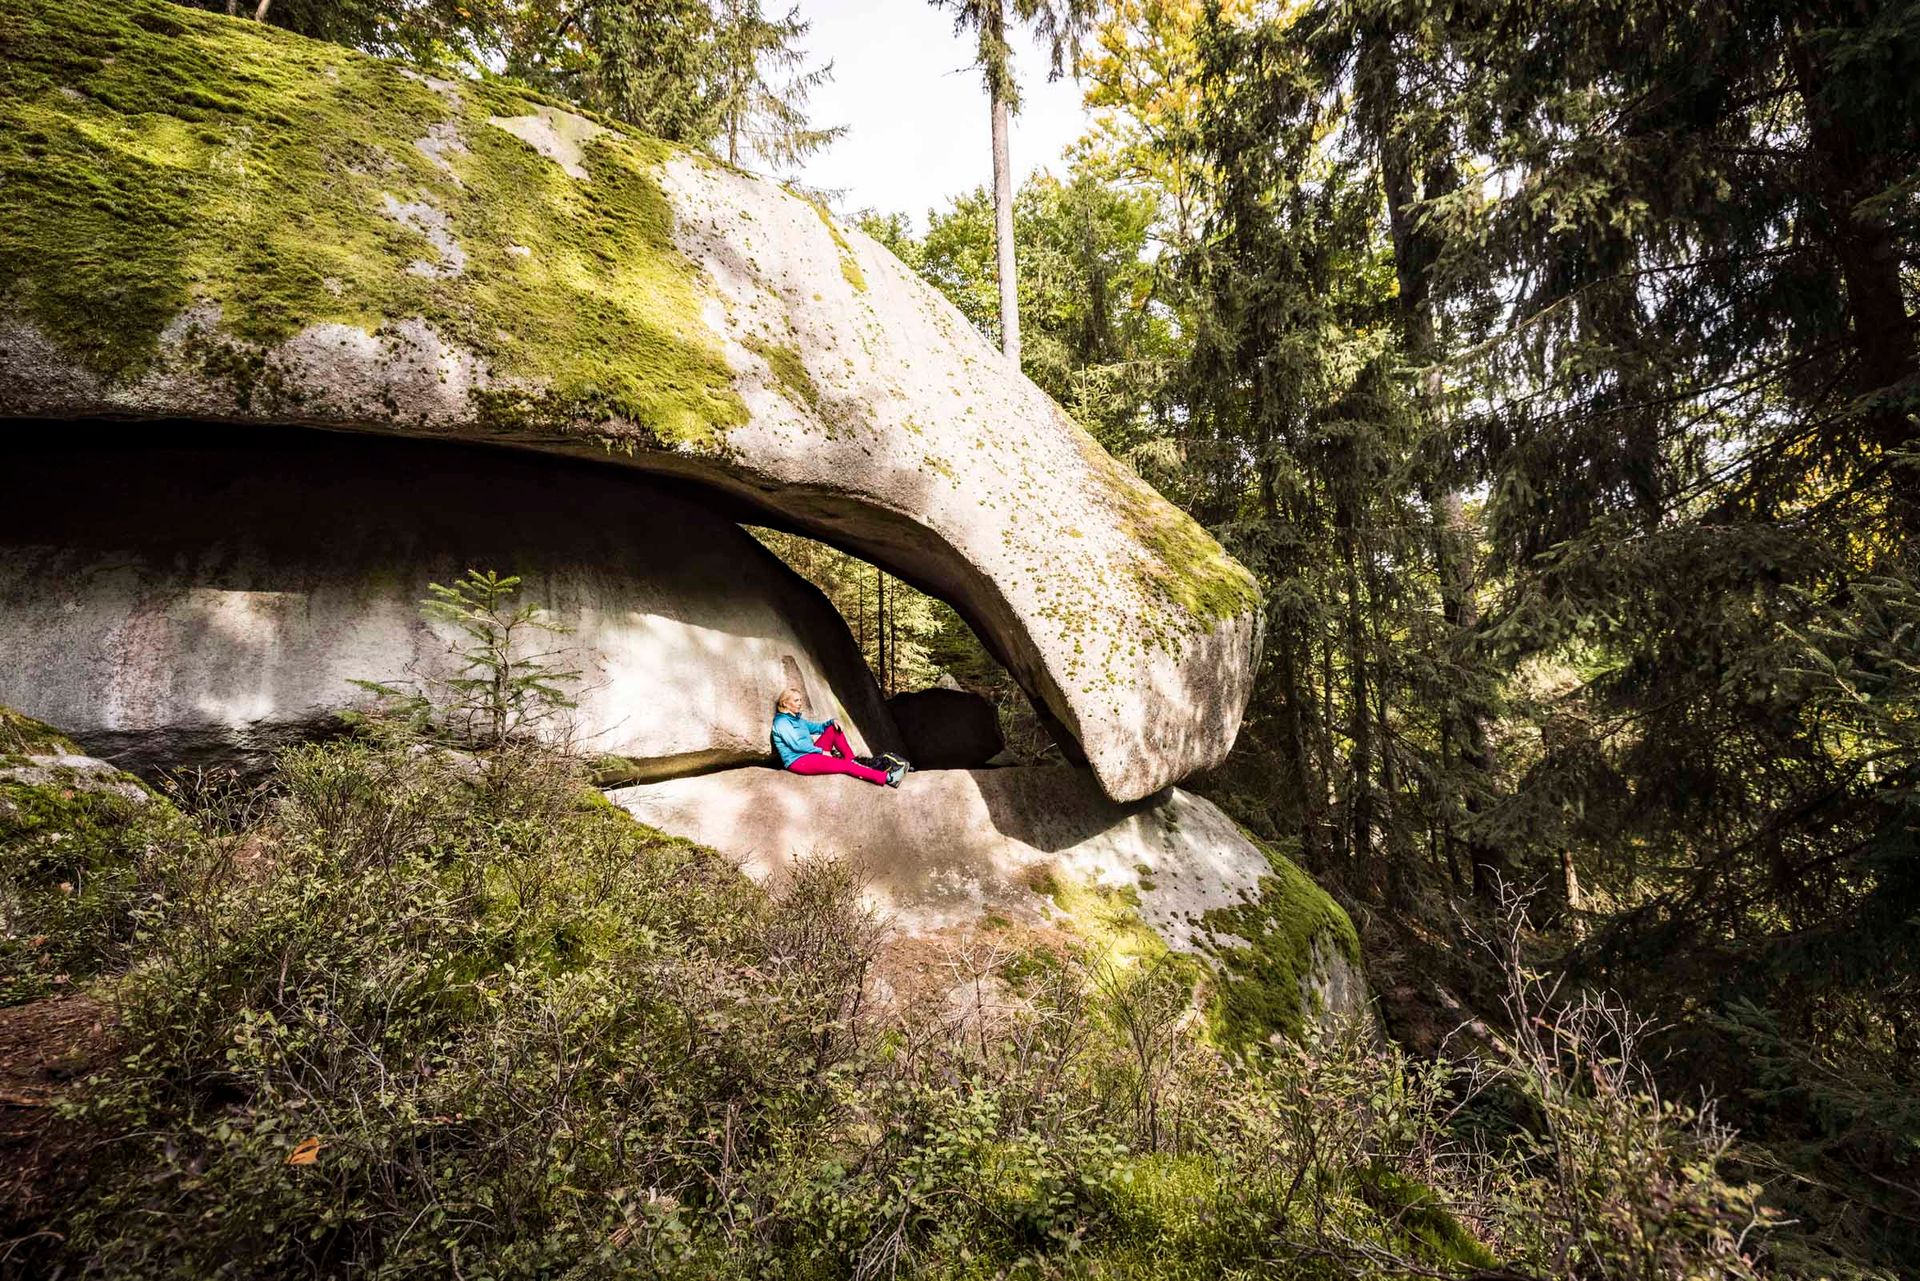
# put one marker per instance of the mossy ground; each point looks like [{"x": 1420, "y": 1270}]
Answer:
[
  {"x": 1422, "y": 1219},
  {"x": 21, "y": 735},
  {"x": 154, "y": 157},
  {"x": 70, "y": 855}
]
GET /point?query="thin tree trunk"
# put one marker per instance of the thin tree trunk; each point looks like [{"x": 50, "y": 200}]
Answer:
[
  {"x": 233, "y": 8},
  {"x": 1003, "y": 205},
  {"x": 880, "y": 625},
  {"x": 1329, "y": 759},
  {"x": 1570, "y": 882},
  {"x": 1395, "y": 853},
  {"x": 1416, "y": 249},
  {"x": 1869, "y": 263},
  {"x": 260, "y": 13},
  {"x": 1360, "y": 809},
  {"x": 1293, "y": 749}
]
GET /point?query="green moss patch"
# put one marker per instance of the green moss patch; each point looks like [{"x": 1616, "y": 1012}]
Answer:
[
  {"x": 154, "y": 158},
  {"x": 849, "y": 262},
  {"x": 1263, "y": 985},
  {"x": 1106, "y": 918},
  {"x": 1185, "y": 566},
  {"x": 24, "y": 736},
  {"x": 1421, "y": 1220},
  {"x": 70, "y": 858},
  {"x": 1253, "y": 990},
  {"x": 790, "y": 371}
]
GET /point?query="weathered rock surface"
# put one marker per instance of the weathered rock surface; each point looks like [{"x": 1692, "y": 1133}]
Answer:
[
  {"x": 946, "y": 728},
  {"x": 211, "y": 598},
  {"x": 72, "y": 773},
  {"x": 221, "y": 220},
  {"x": 952, "y": 848}
]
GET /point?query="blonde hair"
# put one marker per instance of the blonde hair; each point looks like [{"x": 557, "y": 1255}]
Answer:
[{"x": 799, "y": 700}]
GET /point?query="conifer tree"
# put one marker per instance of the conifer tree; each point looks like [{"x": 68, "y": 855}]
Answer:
[
  {"x": 762, "y": 86},
  {"x": 1058, "y": 25}
]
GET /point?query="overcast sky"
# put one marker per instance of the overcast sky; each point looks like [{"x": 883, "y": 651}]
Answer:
[{"x": 915, "y": 109}]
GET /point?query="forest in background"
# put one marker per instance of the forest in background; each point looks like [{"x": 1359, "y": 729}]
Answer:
[{"x": 1553, "y": 364}]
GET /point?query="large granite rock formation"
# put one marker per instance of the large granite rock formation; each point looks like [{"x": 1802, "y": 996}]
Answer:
[
  {"x": 209, "y": 219},
  {"x": 194, "y": 595},
  {"x": 953, "y": 848}
]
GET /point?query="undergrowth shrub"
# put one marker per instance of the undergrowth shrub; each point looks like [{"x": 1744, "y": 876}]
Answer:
[
  {"x": 410, "y": 1018},
  {"x": 406, "y": 1013}
]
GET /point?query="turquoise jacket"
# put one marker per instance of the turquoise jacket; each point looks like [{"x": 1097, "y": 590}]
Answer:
[{"x": 793, "y": 736}]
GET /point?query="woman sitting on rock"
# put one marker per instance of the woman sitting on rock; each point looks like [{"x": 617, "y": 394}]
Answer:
[{"x": 819, "y": 747}]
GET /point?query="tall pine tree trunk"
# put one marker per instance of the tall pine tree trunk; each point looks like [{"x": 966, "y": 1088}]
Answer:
[
  {"x": 1360, "y": 799},
  {"x": 1416, "y": 249},
  {"x": 1881, "y": 331},
  {"x": 1469, "y": 747},
  {"x": 1003, "y": 200}
]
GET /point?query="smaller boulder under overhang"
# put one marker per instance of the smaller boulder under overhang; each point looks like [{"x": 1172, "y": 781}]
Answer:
[
  {"x": 209, "y": 219},
  {"x": 982, "y": 856}
]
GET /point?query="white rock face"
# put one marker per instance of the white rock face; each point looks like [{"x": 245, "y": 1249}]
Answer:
[
  {"x": 207, "y": 602},
  {"x": 972, "y": 483},
  {"x": 874, "y": 417},
  {"x": 949, "y": 848}
]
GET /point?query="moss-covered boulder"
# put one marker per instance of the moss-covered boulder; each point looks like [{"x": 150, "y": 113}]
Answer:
[
  {"x": 951, "y": 852},
  {"x": 73, "y": 830},
  {"x": 203, "y": 218}
]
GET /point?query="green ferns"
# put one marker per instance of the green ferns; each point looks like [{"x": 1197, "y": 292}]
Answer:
[{"x": 156, "y": 159}]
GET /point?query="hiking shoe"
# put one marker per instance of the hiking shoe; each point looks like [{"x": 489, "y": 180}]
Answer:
[{"x": 895, "y": 774}]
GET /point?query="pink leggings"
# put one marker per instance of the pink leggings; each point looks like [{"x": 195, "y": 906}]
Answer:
[{"x": 840, "y": 761}]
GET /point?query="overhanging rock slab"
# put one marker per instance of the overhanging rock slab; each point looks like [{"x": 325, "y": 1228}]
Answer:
[
  {"x": 341, "y": 242},
  {"x": 206, "y": 600}
]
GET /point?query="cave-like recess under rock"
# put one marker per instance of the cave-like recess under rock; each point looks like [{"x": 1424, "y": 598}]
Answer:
[{"x": 200, "y": 596}]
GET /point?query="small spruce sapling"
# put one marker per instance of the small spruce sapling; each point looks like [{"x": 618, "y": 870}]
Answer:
[{"x": 498, "y": 693}]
